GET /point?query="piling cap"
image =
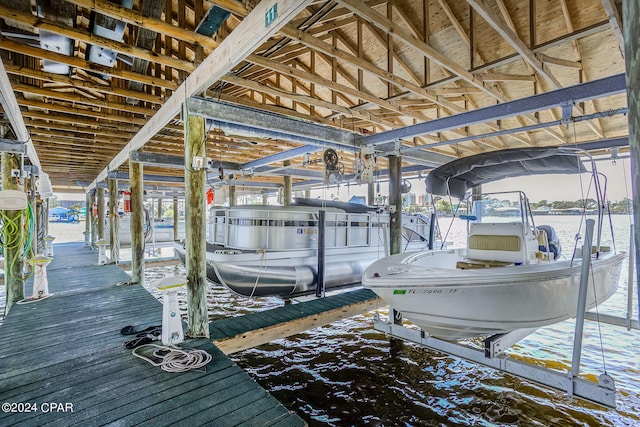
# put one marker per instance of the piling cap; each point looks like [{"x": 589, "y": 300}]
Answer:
[
  {"x": 102, "y": 242},
  {"x": 41, "y": 259},
  {"x": 169, "y": 282},
  {"x": 51, "y": 238}
]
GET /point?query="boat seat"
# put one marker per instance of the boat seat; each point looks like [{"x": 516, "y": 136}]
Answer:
[{"x": 502, "y": 242}]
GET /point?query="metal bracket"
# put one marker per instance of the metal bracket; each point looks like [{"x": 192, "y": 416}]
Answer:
[
  {"x": 567, "y": 109},
  {"x": 397, "y": 145},
  {"x": 497, "y": 344}
]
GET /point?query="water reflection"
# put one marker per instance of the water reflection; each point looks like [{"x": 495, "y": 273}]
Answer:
[{"x": 346, "y": 373}]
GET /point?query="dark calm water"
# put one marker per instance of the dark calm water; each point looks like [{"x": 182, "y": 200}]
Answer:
[{"x": 347, "y": 373}]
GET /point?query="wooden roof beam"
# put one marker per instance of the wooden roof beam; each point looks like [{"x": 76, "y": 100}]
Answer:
[
  {"x": 12, "y": 111},
  {"x": 37, "y": 52},
  {"x": 242, "y": 41},
  {"x": 321, "y": 81},
  {"x": 78, "y": 83},
  {"x": 613, "y": 14},
  {"x": 501, "y": 27},
  {"x": 42, "y": 24},
  {"x": 19, "y": 87},
  {"x": 400, "y": 33},
  {"x": 329, "y": 50},
  {"x": 134, "y": 17}
]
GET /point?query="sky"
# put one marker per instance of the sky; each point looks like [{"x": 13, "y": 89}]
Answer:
[{"x": 568, "y": 187}]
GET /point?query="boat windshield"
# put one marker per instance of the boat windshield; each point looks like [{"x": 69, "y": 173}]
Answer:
[{"x": 499, "y": 207}]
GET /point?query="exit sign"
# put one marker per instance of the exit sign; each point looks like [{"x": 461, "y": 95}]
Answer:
[{"x": 270, "y": 15}]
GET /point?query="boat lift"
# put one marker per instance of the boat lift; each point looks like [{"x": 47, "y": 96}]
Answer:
[{"x": 494, "y": 353}]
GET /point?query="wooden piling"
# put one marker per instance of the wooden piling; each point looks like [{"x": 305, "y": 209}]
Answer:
[
  {"x": 197, "y": 317},
  {"x": 92, "y": 219},
  {"x": 114, "y": 220},
  {"x": 14, "y": 283},
  {"x": 395, "y": 205},
  {"x": 232, "y": 192},
  {"x": 101, "y": 213},
  {"x": 34, "y": 210},
  {"x": 175, "y": 218},
  {"x": 371, "y": 194},
  {"x": 395, "y": 215},
  {"x": 41, "y": 220},
  {"x": 87, "y": 219},
  {"x": 137, "y": 222},
  {"x": 288, "y": 188}
]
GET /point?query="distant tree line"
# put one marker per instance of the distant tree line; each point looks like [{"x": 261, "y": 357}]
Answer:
[{"x": 623, "y": 206}]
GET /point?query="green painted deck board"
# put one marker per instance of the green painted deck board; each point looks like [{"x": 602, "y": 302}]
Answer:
[
  {"x": 232, "y": 326},
  {"x": 68, "y": 348}
]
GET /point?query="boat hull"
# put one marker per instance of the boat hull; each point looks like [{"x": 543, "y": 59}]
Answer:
[
  {"x": 284, "y": 273},
  {"x": 451, "y": 304}
]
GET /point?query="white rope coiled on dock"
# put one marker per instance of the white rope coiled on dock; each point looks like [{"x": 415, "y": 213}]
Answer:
[{"x": 174, "y": 359}]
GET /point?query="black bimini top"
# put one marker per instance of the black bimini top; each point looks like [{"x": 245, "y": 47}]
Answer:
[{"x": 456, "y": 177}]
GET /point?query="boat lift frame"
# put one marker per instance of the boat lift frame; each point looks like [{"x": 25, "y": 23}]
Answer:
[{"x": 494, "y": 356}]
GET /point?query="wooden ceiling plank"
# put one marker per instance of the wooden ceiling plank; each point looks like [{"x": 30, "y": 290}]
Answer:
[
  {"x": 79, "y": 111},
  {"x": 37, "y": 52},
  {"x": 242, "y": 41},
  {"x": 134, "y": 17},
  {"x": 42, "y": 24},
  {"x": 508, "y": 34},
  {"x": 305, "y": 99},
  {"x": 327, "y": 49},
  {"x": 44, "y": 76},
  {"x": 397, "y": 31},
  {"x": 20, "y": 87},
  {"x": 337, "y": 87},
  {"x": 12, "y": 111},
  {"x": 616, "y": 22}
]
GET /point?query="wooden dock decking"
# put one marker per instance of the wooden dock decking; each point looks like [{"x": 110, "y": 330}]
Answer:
[
  {"x": 68, "y": 350},
  {"x": 234, "y": 334}
]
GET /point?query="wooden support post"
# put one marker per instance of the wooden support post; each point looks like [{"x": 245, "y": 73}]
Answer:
[
  {"x": 176, "y": 214},
  {"x": 101, "y": 213},
  {"x": 92, "y": 218},
  {"x": 34, "y": 210},
  {"x": 137, "y": 222},
  {"x": 371, "y": 194},
  {"x": 87, "y": 219},
  {"x": 395, "y": 205},
  {"x": 159, "y": 208},
  {"x": 114, "y": 220},
  {"x": 287, "y": 189},
  {"x": 14, "y": 283},
  {"x": 395, "y": 215},
  {"x": 197, "y": 317},
  {"x": 265, "y": 198},
  {"x": 631, "y": 27},
  {"x": 40, "y": 219},
  {"x": 321, "y": 253},
  {"x": 45, "y": 219},
  {"x": 232, "y": 193}
]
